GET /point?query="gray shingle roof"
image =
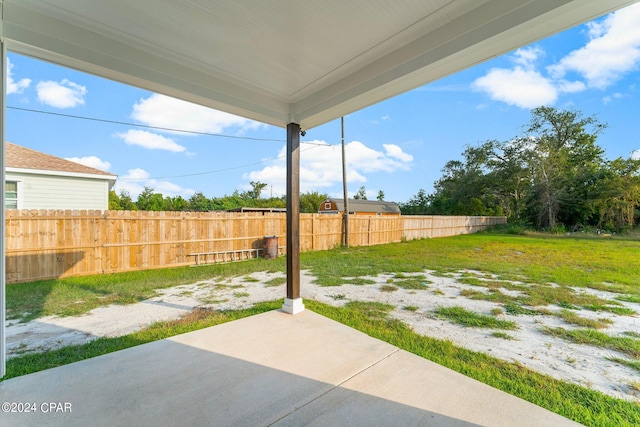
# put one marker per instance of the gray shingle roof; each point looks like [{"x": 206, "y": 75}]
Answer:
[{"x": 359, "y": 205}]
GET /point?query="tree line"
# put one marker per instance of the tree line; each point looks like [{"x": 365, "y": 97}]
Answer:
[
  {"x": 554, "y": 176},
  {"x": 150, "y": 200}
]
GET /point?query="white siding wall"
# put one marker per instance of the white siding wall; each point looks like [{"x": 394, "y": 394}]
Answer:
[{"x": 59, "y": 192}]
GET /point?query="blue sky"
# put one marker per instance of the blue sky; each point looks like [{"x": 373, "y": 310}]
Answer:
[{"x": 398, "y": 146}]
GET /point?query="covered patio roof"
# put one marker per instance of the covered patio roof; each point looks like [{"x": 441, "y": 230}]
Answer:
[
  {"x": 283, "y": 61},
  {"x": 289, "y": 63}
]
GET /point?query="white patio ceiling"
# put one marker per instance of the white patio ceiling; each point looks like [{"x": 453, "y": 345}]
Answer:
[{"x": 282, "y": 61}]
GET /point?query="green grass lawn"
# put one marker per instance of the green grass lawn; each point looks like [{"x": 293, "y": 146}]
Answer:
[
  {"x": 534, "y": 261},
  {"x": 468, "y": 318},
  {"x": 77, "y": 295},
  {"x": 604, "y": 264}
]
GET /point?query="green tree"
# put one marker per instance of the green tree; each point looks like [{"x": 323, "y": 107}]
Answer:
[
  {"x": 463, "y": 181},
  {"x": 149, "y": 200},
  {"x": 361, "y": 194},
  {"x": 310, "y": 201},
  {"x": 553, "y": 174},
  {"x": 126, "y": 202},
  {"x": 380, "y": 195},
  {"x": 199, "y": 202},
  {"x": 563, "y": 159},
  {"x": 617, "y": 194},
  {"x": 417, "y": 205},
  {"x": 121, "y": 202},
  {"x": 272, "y": 202},
  {"x": 256, "y": 189},
  {"x": 227, "y": 202},
  {"x": 144, "y": 199},
  {"x": 114, "y": 201},
  {"x": 177, "y": 203}
]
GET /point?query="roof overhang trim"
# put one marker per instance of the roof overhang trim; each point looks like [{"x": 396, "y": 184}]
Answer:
[{"x": 12, "y": 170}]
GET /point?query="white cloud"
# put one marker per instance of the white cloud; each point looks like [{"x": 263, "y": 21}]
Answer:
[
  {"x": 527, "y": 56},
  {"x": 518, "y": 86},
  {"x": 136, "y": 174},
  {"x": 397, "y": 153},
  {"x": 12, "y": 85},
  {"x": 136, "y": 179},
  {"x": 595, "y": 29},
  {"x": 612, "y": 51},
  {"x": 635, "y": 155},
  {"x": 92, "y": 162},
  {"x": 522, "y": 85},
  {"x": 163, "y": 111},
  {"x": 321, "y": 165},
  {"x": 150, "y": 140},
  {"x": 565, "y": 86},
  {"x": 65, "y": 94},
  {"x": 609, "y": 98}
]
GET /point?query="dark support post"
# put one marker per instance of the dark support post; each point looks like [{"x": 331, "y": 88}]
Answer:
[{"x": 293, "y": 303}]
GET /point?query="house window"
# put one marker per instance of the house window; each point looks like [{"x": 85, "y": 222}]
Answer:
[
  {"x": 327, "y": 206},
  {"x": 11, "y": 195}
]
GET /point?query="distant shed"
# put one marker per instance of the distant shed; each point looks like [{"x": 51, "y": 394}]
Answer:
[{"x": 359, "y": 207}]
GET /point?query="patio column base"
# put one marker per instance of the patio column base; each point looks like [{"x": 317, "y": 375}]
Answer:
[{"x": 293, "y": 306}]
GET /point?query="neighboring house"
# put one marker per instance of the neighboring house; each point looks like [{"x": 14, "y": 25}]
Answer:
[
  {"x": 36, "y": 180},
  {"x": 359, "y": 207}
]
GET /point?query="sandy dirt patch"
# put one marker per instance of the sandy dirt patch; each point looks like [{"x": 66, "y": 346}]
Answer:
[{"x": 580, "y": 364}]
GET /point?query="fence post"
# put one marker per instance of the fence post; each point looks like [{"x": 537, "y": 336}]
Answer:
[{"x": 313, "y": 232}]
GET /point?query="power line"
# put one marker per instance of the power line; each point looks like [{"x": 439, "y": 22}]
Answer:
[
  {"x": 193, "y": 132},
  {"x": 116, "y": 122},
  {"x": 95, "y": 119},
  {"x": 223, "y": 170}
]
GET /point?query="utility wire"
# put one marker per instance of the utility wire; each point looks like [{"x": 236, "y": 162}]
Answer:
[
  {"x": 193, "y": 132},
  {"x": 95, "y": 119},
  {"x": 222, "y": 170}
]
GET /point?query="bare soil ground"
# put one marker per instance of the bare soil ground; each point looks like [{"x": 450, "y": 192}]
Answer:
[{"x": 585, "y": 365}]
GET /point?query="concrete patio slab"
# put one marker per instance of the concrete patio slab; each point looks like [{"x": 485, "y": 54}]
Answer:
[{"x": 268, "y": 369}]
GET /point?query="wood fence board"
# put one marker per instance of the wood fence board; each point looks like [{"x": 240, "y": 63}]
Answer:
[{"x": 44, "y": 244}]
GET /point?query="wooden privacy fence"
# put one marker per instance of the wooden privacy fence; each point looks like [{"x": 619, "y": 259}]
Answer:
[
  {"x": 43, "y": 244},
  {"x": 421, "y": 227}
]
